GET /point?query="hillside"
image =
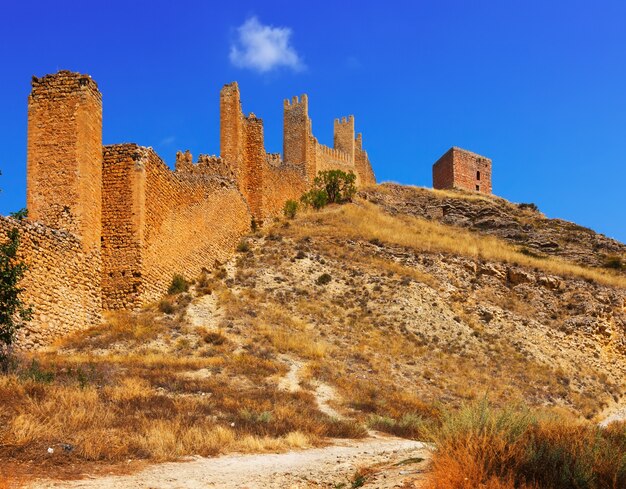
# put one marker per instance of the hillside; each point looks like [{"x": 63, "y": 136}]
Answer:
[{"x": 372, "y": 316}]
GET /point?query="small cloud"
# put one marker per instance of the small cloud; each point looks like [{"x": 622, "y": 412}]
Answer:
[
  {"x": 167, "y": 141},
  {"x": 264, "y": 48}
]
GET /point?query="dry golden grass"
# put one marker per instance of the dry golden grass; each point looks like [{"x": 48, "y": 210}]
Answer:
[
  {"x": 289, "y": 334},
  {"x": 127, "y": 403},
  {"x": 385, "y": 187},
  {"x": 369, "y": 222},
  {"x": 10, "y": 479}
]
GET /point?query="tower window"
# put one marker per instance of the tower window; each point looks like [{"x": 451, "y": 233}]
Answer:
[
  {"x": 478, "y": 188},
  {"x": 477, "y": 176}
]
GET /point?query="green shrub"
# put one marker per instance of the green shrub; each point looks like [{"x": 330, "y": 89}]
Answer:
[
  {"x": 36, "y": 373},
  {"x": 178, "y": 285},
  {"x": 614, "y": 262},
  {"x": 330, "y": 187},
  {"x": 407, "y": 426},
  {"x": 291, "y": 208},
  {"x": 339, "y": 186},
  {"x": 166, "y": 306},
  {"x": 323, "y": 279},
  {"x": 530, "y": 206},
  {"x": 314, "y": 198},
  {"x": 243, "y": 246},
  {"x": 13, "y": 312}
]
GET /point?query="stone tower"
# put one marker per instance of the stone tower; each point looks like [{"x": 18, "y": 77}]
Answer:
[
  {"x": 462, "y": 169},
  {"x": 344, "y": 136},
  {"x": 64, "y": 161},
  {"x": 232, "y": 139},
  {"x": 298, "y": 147}
]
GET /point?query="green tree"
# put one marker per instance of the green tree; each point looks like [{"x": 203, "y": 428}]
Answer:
[
  {"x": 13, "y": 312},
  {"x": 339, "y": 186}
]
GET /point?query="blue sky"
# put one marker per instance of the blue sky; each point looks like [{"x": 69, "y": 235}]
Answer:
[{"x": 539, "y": 87}]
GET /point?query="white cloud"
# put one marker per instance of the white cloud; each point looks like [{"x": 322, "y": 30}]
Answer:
[
  {"x": 167, "y": 140},
  {"x": 264, "y": 48}
]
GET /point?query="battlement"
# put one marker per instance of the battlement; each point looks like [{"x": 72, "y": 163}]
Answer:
[
  {"x": 336, "y": 154},
  {"x": 62, "y": 84},
  {"x": 301, "y": 102},
  {"x": 344, "y": 120}
]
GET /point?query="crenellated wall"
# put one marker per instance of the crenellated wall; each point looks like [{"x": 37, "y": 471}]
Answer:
[
  {"x": 160, "y": 222},
  {"x": 301, "y": 147},
  {"x": 109, "y": 226}
]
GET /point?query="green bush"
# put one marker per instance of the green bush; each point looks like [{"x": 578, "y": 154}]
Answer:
[
  {"x": 323, "y": 279},
  {"x": 13, "y": 312},
  {"x": 291, "y": 208},
  {"x": 167, "y": 306},
  {"x": 339, "y": 186},
  {"x": 178, "y": 285},
  {"x": 408, "y": 426},
  {"x": 314, "y": 198},
  {"x": 614, "y": 262},
  {"x": 528, "y": 205},
  {"x": 330, "y": 187},
  {"x": 243, "y": 246}
]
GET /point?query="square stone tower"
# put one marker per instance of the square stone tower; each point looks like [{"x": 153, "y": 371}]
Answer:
[
  {"x": 464, "y": 170},
  {"x": 64, "y": 177}
]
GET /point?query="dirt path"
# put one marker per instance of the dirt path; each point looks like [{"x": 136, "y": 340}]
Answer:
[{"x": 329, "y": 467}]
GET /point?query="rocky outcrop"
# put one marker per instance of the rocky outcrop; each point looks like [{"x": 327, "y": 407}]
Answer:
[{"x": 519, "y": 224}]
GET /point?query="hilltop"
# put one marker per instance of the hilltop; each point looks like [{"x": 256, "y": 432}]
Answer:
[{"x": 367, "y": 317}]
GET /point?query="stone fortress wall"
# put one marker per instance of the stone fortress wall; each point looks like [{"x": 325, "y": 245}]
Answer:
[
  {"x": 62, "y": 282},
  {"x": 109, "y": 226}
]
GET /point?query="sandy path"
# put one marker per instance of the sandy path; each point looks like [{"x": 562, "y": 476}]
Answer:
[{"x": 320, "y": 467}]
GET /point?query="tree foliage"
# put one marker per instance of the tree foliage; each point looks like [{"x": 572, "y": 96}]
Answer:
[
  {"x": 13, "y": 312},
  {"x": 330, "y": 187},
  {"x": 339, "y": 186}
]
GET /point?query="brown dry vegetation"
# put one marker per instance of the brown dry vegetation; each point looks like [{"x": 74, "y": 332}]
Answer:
[
  {"x": 515, "y": 448},
  {"x": 152, "y": 401},
  {"x": 370, "y": 222},
  {"x": 412, "y": 319}
]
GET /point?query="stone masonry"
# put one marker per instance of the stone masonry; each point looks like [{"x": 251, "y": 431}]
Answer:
[
  {"x": 462, "y": 169},
  {"x": 109, "y": 226}
]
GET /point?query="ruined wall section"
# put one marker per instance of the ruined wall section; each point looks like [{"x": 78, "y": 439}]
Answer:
[
  {"x": 191, "y": 222},
  {"x": 64, "y": 162},
  {"x": 62, "y": 282},
  {"x": 282, "y": 183},
  {"x": 159, "y": 222},
  {"x": 208, "y": 165}
]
